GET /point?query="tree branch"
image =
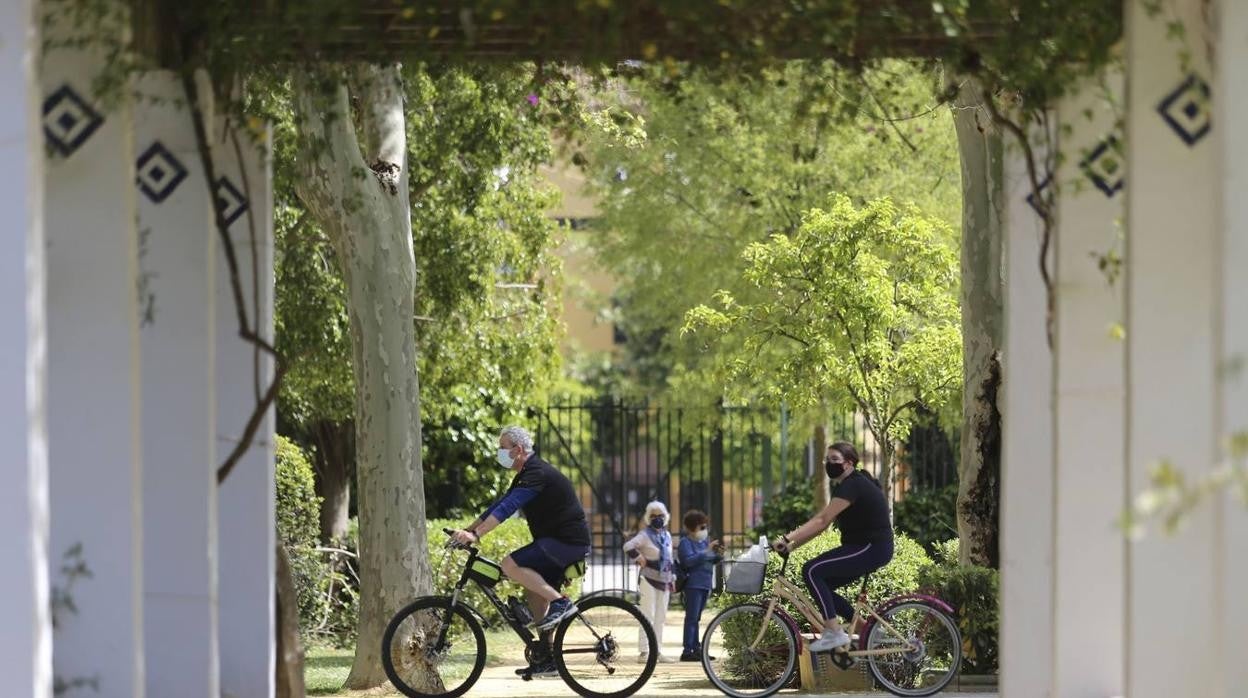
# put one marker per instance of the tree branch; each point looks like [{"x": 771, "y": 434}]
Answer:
[{"x": 245, "y": 329}]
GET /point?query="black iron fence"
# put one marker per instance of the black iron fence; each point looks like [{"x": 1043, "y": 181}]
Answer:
[{"x": 724, "y": 461}]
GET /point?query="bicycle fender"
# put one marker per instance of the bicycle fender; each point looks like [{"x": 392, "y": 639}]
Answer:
[{"x": 897, "y": 601}]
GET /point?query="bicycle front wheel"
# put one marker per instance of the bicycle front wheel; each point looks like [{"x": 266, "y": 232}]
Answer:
[
  {"x": 599, "y": 650},
  {"x": 747, "y": 654},
  {"x": 920, "y": 647},
  {"x": 433, "y": 649}
]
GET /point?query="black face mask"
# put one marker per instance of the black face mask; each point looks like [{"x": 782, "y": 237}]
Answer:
[{"x": 835, "y": 470}]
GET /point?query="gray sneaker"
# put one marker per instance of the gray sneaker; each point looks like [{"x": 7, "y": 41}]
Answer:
[{"x": 830, "y": 640}]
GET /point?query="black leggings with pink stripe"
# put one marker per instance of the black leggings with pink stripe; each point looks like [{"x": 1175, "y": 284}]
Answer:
[{"x": 839, "y": 567}]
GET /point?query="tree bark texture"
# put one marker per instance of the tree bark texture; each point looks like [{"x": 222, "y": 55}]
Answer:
[
  {"x": 981, "y": 152},
  {"x": 357, "y": 189},
  {"x": 333, "y": 461},
  {"x": 289, "y": 665}
]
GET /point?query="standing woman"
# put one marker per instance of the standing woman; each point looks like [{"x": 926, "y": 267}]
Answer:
[
  {"x": 860, "y": 511},
  {"x": 652, "y": 550}
]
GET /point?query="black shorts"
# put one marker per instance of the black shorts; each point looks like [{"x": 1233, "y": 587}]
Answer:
[{"x": 549, "y": 558}]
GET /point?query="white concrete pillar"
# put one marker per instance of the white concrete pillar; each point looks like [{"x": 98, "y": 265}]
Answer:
[
  {"x": 177, "y": 255},
  {"x": 93, "y": 374},
  {"x": 1172, "y": 346},
  {"x": 1088, "y": 398},
  {"x": 246, "y": 501},
  {"x": 1026, "y": 640},
  {"x": 25, "y": 628},
  {"x": 1231, "y": 557}
]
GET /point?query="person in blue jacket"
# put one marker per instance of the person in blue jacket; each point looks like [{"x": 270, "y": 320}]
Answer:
[{"x": 697, "y": 557}]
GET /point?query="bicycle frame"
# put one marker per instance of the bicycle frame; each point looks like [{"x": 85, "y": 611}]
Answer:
[
  {"x": 541, "y": 641},
  {"x": 783, "y": 589}
]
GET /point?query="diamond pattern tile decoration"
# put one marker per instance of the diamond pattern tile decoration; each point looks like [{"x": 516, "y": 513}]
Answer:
[
  {"x": 68, "y": 121},
  {"x": 158, "y": 172},
  {"x": 230, "y": 201},
  {"x": 1187, "y": 109},
  {"x": 1104, "y": 166},
  {"x": 1031, "y": 198}
]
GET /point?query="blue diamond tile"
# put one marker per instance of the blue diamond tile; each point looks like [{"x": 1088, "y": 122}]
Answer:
[
  {"x": 1031, "y": 198},
  {"x": 68, "y": 121},
  {"x": 158, "y": 172},
  {"x": 1104, "y": 166},
  {"x": 1186, "y": 109},
  {"x": 230, "y": 201}
]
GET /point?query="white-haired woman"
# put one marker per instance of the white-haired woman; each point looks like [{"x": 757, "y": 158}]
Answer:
[{"x": 652, "y": 550}]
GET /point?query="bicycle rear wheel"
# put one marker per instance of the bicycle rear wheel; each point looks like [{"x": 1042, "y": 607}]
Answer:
[
  {"x": 934, "y": 658},
  {"x": 747, "y": 655},
  {"x": 433, "y": 649},
  {"x": 597, "y": 649}
]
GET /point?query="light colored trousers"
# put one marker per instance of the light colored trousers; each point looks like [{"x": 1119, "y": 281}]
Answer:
[{"x": 653, "y": 604}]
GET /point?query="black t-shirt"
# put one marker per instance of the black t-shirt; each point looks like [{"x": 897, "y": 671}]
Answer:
[
  {"x": 556, "y": 511},
  {"x": 866, "y": 518}
]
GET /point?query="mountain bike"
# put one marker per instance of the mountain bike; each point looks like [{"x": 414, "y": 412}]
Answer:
[
  {"x": 911, "y": 643},
  {"x": 435, "y": 646}
]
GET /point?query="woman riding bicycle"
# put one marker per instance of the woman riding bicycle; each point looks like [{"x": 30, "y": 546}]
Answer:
[{"x": 860, "y": 510}]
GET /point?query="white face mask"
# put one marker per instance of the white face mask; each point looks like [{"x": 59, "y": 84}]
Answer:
[
  {"x": 504, "y": 458},
  {"x": 700, "y": 535}
]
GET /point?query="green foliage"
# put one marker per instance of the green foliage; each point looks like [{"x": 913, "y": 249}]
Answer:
[
  {"x": 298, "y": 507},
  {"x": 487, "y": 284},
  {"x": 945, "y": 553},
  {"x": 787, "y": 510},
  {"x": 859, "y": 306},
  {"x": 928, "y": 516},
  {"x": 509, "y": 536},
  {"x": 974, "y": 592},
  {"x": 899, "y": 576},
  {"x": 298, "y": 511},
  {"x": 732, "y": 158}
]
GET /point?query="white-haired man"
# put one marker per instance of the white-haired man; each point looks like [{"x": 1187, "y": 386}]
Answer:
[{"x": 557, "y": 522}]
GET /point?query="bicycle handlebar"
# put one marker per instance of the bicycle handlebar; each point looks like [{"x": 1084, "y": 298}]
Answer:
[{"x": 452, "y": 544}]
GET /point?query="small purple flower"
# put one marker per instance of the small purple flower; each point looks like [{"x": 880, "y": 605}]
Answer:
[{"x": 532, "y": 99}]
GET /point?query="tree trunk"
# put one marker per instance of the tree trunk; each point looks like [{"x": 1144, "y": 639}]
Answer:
[
  {"x": 334, "y": 447},
  {"x": 359, "y": 195},
  {"x": 289, "y": 664},
  {"x": 887, "y": 449},
  {"x": 821, "y": 475},
  {"x": 980, "y": 148}
]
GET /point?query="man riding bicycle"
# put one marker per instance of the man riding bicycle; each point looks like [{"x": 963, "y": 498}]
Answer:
[{"x": 556, "y": 521}]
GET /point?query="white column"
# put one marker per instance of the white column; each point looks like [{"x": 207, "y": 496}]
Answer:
[
  {"x": 1231, "y": 559},
  {"x": 1171, "y": 273},
  {"x": 93, "y": 375},
  {"x": 177, "y": 255},
  {"x": 25, "y": 629},
  {"x": 1088, "y": 376},
  {"x": 1027, "y": 625},
  {"x": 246, "y": 503}
]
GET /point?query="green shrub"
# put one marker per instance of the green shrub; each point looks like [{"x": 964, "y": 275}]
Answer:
[
  {"x": 929, "y": 517},
  {"x": 496, "y": 545},
  {"x": 298, "y": 507},
  {"x": 974, "y": 594},
  {"x": 946, "y": 552},
  {"x": 298, "y": 528},
  {"x": 787, "y": 510},
  {"x": 899, "y": 576}
]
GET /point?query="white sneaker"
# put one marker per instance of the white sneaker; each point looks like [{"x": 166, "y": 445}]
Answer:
[
  {"x": 642, "y": 658},
  {"x": 665, "y": 659},
  {"x": 830, "y": 640}
]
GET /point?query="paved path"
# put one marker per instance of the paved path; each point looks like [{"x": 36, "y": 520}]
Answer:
[{"x": 681, "y": 680}]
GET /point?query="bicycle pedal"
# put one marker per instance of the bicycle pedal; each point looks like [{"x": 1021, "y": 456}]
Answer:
[{"x": 842, "y": 660}]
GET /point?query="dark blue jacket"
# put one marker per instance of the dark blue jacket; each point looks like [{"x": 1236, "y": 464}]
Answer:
[{"x": 698, "y": 561}]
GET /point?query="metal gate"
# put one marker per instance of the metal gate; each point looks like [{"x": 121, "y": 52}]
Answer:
[
  {"x": 621, "y": 456},
  {"x": 725, "y": 461}
]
